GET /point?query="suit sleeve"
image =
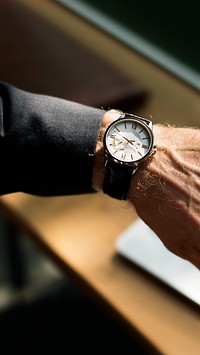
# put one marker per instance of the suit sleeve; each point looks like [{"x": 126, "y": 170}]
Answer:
[{"x": 47, "y": 144}]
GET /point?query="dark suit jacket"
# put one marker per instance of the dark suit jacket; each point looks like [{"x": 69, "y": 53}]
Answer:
[{"x": 47, "y": 144}]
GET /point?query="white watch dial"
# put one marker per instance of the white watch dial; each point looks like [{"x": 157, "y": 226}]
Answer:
[{"x": 128, "y": 140}]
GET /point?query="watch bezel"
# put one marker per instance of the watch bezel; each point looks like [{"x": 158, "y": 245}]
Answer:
[{"x": 129, "y": 117}]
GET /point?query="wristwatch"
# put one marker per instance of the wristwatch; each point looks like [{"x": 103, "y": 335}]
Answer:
[{"x": 128, "y": 142}]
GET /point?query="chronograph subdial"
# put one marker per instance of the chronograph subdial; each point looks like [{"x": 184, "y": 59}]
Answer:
[{"x": 124, "y": 148}]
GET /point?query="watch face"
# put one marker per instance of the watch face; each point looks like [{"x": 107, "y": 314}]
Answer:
[{"x": 128, "y": 140}]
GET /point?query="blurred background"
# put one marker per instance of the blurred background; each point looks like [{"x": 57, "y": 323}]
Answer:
[
  {"x": 167, "y": 32},
  {"x": 44, "y": 51}
]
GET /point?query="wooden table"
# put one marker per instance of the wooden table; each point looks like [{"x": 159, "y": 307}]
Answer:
[{"x": 79, "y": 232}]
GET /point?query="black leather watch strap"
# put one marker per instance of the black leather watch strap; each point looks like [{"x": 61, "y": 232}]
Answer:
[{"x": 117, "y": 179}]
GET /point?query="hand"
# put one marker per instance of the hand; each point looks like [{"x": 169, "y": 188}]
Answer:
[{"x": 166, "y": 191}]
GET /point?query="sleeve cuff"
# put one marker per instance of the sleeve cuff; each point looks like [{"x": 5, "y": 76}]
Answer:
[{"x": 48, "y": 144}]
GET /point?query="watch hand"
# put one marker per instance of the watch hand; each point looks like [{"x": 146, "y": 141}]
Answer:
[{"x": 128, "y": 140}]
